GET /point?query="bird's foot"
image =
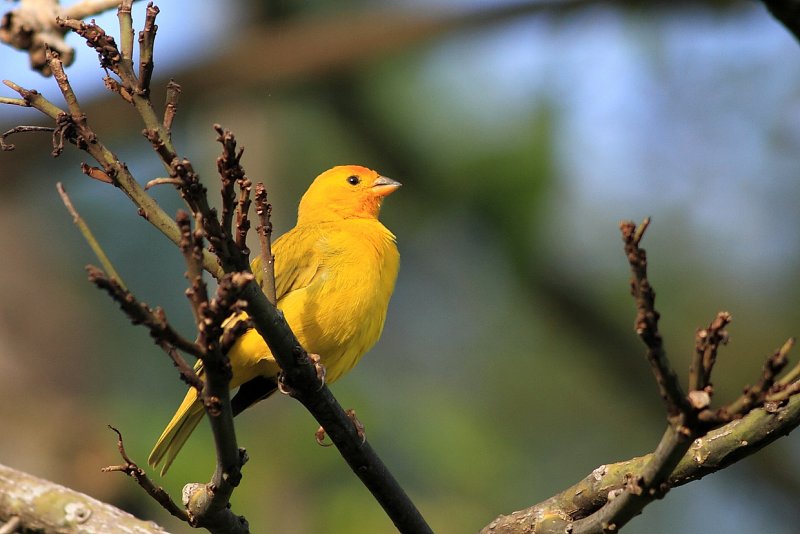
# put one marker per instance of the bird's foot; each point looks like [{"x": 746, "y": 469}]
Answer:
[
  {"x": 359, "y": 426},
  {"x": 319, "y": 435},
  {"x": 316, "y": 361},
  {"x": 283, "y": 387}
]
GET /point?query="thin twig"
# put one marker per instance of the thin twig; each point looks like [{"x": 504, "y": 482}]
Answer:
[
  {"x": 125, "y": 32},
  {"x": 53, "y": 59},
  {"x": 146, "y": 39},
  {"x": 14, "y": 101},
  {"x": 242, "y": 211},
  {"x": 707, "y": 342},
  {"x": 171, "y": 108},
  {"x": 264, "y": 230},
  {"x": 191, "y": 246},
  {"x": 80, "y": 134},
  {"x": 646, "y": 324},
  {"x": 230, "y": 172},
  {"x": 89, "y": 236},
  {"x": 139, "y": 313},
  {"x": 35, "y": 100},
  {"x": 96, "y": 37},
  {"x": 794, "y": 372},
  {"x": 131, "y": 469},
  {"x": 20, "y": 129},
  {"x": 162, "y": 181},
  {"x": 755, "y": 396}
]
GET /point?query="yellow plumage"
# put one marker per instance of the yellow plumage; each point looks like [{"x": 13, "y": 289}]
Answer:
[{"x": 334, "y": 274}]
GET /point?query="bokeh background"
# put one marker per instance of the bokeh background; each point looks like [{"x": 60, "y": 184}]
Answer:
[{"x": 508, "y": 368}]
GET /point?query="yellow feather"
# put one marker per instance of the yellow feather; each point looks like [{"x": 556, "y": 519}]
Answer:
[{"x": 334, "y": 275}]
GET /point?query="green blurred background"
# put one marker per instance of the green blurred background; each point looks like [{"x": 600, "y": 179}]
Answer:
[{"x": 508, "y": 368}]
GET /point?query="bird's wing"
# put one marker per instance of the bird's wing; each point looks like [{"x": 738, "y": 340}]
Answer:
[{"x": 297, "y": 261}]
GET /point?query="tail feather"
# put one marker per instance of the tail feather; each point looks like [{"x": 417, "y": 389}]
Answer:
[{"x": 183, "y": 423}]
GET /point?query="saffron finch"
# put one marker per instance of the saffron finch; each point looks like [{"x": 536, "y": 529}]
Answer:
[{"x": 334, "y": 274}]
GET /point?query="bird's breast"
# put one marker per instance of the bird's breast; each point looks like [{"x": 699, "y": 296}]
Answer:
[{"x": 346, "y": 304}]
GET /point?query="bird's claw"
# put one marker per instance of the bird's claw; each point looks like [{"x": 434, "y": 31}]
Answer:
[
  {"x": 316, "y": 361},
  {"x": 319, "y": 435},
  {"x": 283, "y": 387},
  {"x": 359, "y": 426}
]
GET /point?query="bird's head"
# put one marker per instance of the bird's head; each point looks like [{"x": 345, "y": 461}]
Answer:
[{"x": 345, "y": 192}]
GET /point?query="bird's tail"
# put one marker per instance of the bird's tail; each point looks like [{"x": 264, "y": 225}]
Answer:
[{"x": 183, "y": 423}]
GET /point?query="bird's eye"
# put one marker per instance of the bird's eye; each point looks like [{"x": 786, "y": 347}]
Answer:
[{"x": 353, "y": 180}]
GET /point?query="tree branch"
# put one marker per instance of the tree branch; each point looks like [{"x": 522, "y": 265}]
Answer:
[
  {"x": 299, "y": 372},
  {"x": 612, "y": 495},
  {"x": 264, "y": 231},
  {"x": 44, "y": 506},
  {"x": 137, "y": 473},
  {"x": 708, "y": 454}
]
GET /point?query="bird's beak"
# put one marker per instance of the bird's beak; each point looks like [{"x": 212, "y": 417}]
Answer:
[{"x": 384, "y": 186}]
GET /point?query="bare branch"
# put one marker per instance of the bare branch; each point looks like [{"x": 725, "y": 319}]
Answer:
[
  {"x": 146, "y": 39},
  {"x": 44, "y": 506},
  {"x": 649, "y": 483},
  {"x": 97, "y": 38},
  {"x": 155, "y": 320},
  {"x": 264, "y": 230},
  {"x": 707, "y": 342},
  {"x": 131, "y": 469},
  {"x": 646, "y": 324},
  {"x": 231, "y": 173},
  {"x": 757, "y": 395},
  {"x": 89, "y": 236},
  {"x": 191, "y": 246},
  {"x": 171, "y": 108},
  {"x": 715, "y": 451},
  {"x": 20, "y": 129},
  {"x": 125, "y": 33},
  {"x": 242, "y": 211},
  {"x": 34, "y": 99},
  {"x": 298, "y": 370}
]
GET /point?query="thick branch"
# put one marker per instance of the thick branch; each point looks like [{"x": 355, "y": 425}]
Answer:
[
  {"x": 45, "y": 506},
  {"x": 715, "y": 451}
]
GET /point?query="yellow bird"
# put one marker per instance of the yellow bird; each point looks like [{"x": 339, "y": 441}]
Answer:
[{"x": 334, "y": 274}]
